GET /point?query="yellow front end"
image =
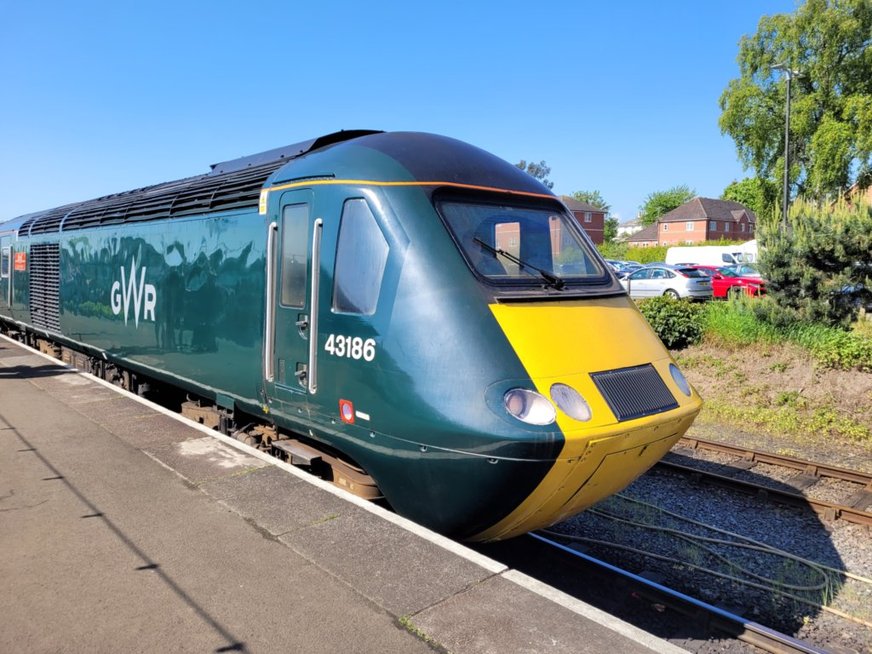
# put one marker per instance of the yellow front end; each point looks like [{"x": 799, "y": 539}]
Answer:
[{"x": 565, "y": 342}]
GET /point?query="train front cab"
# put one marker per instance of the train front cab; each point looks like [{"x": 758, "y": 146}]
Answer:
[{"x": 599, "y": 374}]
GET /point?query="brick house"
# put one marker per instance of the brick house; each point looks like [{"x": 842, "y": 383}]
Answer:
[
  {"x": 591, "y": 218},
  {"x": 857, "y": 194},
  {"x": 706, "y": 219},
  {"x": 644, "y": 238}
]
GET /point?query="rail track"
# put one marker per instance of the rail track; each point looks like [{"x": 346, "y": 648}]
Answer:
[
  {"x": 712, "y": 617},
  {"x": 647, "y": 603},
  {"x": 797, "y": 489}
]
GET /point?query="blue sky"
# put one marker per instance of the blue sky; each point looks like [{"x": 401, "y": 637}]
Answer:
[{"x": 621, "y": 97}]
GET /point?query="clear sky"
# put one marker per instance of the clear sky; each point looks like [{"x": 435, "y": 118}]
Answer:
[{"x": 619, "y": 96}]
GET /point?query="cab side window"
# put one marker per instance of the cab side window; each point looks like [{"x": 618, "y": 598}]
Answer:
[
  {"x": 295, "y": 227},
  {"x": 361, "y": 256},
  {"x": 4, "y": 263}
]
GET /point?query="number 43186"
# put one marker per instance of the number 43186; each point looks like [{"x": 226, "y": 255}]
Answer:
[{"x": 350, "y": 347}]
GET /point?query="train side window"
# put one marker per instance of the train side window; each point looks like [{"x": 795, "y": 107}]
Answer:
[
  {"x": 4, "y": 263},
  {"x": 361, "y": 256},
  {"x": 295, "y": 228}
]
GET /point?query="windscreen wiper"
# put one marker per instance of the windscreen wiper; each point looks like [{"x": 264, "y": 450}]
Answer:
[{"x": 551, "y": 279}]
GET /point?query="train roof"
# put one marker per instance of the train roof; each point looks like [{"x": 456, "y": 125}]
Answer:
[
  {"x": 237, "y": 183},
  {"x": 231, "y": 184}
]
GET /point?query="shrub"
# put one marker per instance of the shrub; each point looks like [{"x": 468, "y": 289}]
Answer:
[
  {"x": 818, "y": 267},
  {"x": 678, "y": 323}
]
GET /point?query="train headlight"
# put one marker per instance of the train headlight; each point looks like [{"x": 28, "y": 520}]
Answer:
[
  {"x": 529, "y": 406},
  {"x": 570, "y": 402},
  {"x": 679, "y": 379}
]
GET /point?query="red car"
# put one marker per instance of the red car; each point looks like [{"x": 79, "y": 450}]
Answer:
[{"x": 734, "y": 280}]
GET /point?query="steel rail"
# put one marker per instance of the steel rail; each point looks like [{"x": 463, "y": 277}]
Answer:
[
  {"x": 828, "y": 510},
  {"x": 746, "y": 630},
  {"x": 757, "y": 456}
]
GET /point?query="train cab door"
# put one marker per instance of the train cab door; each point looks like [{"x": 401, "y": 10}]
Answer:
[
  {"x": 6, "y": 274},
  {"x": 293, "y": 247}
]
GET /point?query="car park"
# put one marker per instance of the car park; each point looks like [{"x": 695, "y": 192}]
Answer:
[
  {"x": 663, "y": 279},
  {"x": 728, "y": 281}
]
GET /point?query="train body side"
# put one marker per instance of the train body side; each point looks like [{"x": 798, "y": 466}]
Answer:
[
  {"x": 248, "y": 308},
  {"x": 180, "y": 300}
]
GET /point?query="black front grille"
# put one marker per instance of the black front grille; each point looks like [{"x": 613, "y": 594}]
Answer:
[
  {"x": 634, "y": 392},
  {"x": 45, "y": 283}
]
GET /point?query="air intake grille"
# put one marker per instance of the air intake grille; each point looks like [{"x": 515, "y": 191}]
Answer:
[
  {"x": 634, "y": 392},
  {"x": 45, "y": 282}
]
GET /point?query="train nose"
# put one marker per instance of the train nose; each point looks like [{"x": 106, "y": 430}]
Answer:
[{"x": 619, "y": 401}]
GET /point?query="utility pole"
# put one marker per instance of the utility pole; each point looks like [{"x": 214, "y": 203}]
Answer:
[{"x": 789, "y": 73}]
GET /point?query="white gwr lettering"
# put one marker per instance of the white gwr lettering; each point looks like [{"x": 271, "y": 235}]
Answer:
[{"x": 132, "y": 293}]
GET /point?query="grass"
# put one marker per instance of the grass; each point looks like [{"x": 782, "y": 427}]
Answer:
[
  {"x": 735, "y": 324},
  {"x": 786, "y": 417}
]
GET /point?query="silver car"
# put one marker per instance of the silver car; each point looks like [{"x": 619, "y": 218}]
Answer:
[{"x": 663, "y": 279}]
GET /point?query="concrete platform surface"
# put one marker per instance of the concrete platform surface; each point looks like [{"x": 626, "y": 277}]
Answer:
[{"x": 124, "y": 529}]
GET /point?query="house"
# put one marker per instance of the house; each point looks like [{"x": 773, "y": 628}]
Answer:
[
  {"x": 644, "y": 238},
  {"x": 858, "y": 194},
  {"x": 629, "y": 228},
  {"x": 706, "y": 219},
  {"x": 591, "y": 218}
]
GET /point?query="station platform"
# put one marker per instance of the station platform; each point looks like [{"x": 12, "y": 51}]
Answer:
[{"x": 126, "y": 528}]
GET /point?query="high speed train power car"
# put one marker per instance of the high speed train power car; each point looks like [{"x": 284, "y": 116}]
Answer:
[{"x": 426, "y": 318}]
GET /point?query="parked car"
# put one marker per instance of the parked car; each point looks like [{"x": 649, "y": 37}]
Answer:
[
  {"x": 734, "y": 280},
  {"x": 662, "y": 279}
]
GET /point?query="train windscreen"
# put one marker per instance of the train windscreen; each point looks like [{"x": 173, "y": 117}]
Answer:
[{"x": 522, "y": 244}]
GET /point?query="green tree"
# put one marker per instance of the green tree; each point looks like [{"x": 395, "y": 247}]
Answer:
[
  {"x": 661, "y": 202},
  {"x": 819, "y": 270},
  {"x": 759, "y": 195},
  {"x": 610, "y": 230},
  {"x": 594, "y": 198},
  {"x": 538, "y": 171},
  {"x": 828, "y": 45}
]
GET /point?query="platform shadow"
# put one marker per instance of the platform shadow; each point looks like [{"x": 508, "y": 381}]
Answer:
[
  {"x": 231, "y": 643},
  {"x": 33, "y": 372}
]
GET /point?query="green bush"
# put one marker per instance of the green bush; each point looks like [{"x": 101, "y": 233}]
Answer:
[
  {"x": 678, "y": 323},
  {"x": 819, "y": 265}
]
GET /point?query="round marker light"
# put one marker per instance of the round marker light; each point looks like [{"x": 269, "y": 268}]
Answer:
[
  {"x": 570, "y": 402},
  {"x": 679, "y": 379},
  {"x": 529, "y": 406}
]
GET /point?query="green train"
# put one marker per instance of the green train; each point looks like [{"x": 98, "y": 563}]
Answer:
[{"x": 424, "y": 320}]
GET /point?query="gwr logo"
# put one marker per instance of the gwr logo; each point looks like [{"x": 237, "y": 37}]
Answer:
[{"x": 127, "y": 292}]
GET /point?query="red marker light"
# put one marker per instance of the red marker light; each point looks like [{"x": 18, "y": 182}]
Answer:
[{"x": 346, "y": 411}]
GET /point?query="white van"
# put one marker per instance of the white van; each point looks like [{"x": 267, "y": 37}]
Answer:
[{"x": 709, "y": 255}]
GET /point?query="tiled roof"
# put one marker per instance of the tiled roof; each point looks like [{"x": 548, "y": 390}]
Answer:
[
  {"x": 647, "y": 234},
  {"x": 708, "y": 209},
  {"x": 575, "y": 205}
]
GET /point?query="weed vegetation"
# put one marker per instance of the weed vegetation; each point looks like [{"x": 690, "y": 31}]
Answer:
[{"x": 739, "y": 322}]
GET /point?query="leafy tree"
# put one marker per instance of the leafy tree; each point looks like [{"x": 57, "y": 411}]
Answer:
[
  {"x": 538, "y": 171},
  {"x": 828, "y": 43},
  {"x": 759, "y": 195},
  {"x": 661, "y": 202},
  {"x": 610, "y": 230},
  {"x": 594, "y": 198}
]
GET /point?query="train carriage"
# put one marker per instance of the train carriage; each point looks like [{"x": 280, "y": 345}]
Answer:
[{"x": 419, "y": 312}]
